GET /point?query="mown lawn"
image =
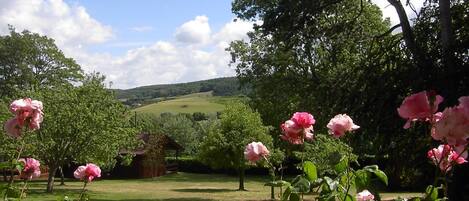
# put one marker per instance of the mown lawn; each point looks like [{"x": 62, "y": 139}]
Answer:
[{"x": 174, "y": 187}]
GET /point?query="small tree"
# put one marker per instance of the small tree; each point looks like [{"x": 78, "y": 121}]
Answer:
[
  {"x": 224, "y": 145},
  {"x": 83, "y": 124}
]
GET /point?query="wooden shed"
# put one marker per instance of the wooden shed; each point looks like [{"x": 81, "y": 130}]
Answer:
[{"x": 149, "y": 160}]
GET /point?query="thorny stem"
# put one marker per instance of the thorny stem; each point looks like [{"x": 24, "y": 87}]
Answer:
[
  {"x": 273, "y": 176},
  {"x": 5, "y": 196},
  {"x": 23, "y": 190},
  {"x": 348, "y": 177},
  {"x": 83, "y": 190}
]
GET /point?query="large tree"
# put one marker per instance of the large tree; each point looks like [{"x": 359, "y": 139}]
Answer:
[
  {"x": 29, "y": 61},
  {"x": 339, "y": 56},
  {"x": 224, "y": 145},
  {"x": 82, "y": 124}
]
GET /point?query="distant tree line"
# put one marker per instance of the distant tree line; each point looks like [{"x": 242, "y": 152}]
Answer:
[{"x": 228, "y": 86}]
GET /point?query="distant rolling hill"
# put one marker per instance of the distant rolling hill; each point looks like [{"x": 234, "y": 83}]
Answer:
[
  {"x": 203, "y": 102},
  {"x": 228, "y": 86}
]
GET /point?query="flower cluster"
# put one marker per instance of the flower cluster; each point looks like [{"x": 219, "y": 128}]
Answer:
[
  {"x": 27, "y": 112},
  {"x": 453, "y": 124},
  {"x": 88, "y": 172},
  {"x": 298, "y": 128},
  {"x": 444, "y": 156},
  {"x": 450, "y": 126},
  {"x": 30, "y": 168}
]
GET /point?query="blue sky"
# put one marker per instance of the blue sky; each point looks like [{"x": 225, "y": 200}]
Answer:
[
  {"x": 141, "y": 42},
  {"x": 154, "y": 19}
]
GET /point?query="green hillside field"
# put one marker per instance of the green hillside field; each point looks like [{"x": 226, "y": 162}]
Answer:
[{"x": 203, "y": 102}]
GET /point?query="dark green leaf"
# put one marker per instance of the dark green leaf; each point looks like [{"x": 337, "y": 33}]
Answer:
[
  {"x": 380, "y": 174},
  {"x": 342, "y": 165},
  {"x": 286, "y": 194},
  {"x": 310, "y": 170},
  {"x": 330, "y": 184},
  {"x": 301, "y": 184},
  {"x": 362, "y": 179},
  {"x": 295, "y": 197},
  {"x": 431, "y": 193},
  {"x": 278, "y": 183}
]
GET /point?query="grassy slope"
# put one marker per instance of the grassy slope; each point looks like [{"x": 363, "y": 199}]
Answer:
[
  {"x": 197, "y": 102},
  {"x": 174, "y": 187}
]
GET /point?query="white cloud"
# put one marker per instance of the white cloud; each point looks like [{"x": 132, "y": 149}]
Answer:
[
  {"x": 194, "y": 53},
  {"x": 142, "y": 28},
  {"x": 196, "y": 31},
  {"x": 70, "y": 26},
  {"x": 170, "y": 62},
  {"x": 390, "y": 12}
]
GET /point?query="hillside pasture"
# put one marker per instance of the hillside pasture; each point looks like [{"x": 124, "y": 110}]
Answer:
[{"x": 203, "y": 102}]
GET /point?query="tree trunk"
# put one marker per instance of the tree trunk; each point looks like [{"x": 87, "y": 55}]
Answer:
[
  {"x": 445, "y": 25},
  {"x": 241, "y": 178},
  {"x": 62, "y": 177},
  {"x": 272, "y": 193},
  {"x": 423, "y": 62},
  {"x": 4, "y": 174},
  {"x": 50, "y": 180},
  {"x": 447, "y": 42}
]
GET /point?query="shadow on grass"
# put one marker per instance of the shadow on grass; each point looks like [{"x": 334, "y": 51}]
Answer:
[
  {"x": 188, "y": 177},
  {"x": 204, "y": 190},
  {"x": 168, "y": 199}
]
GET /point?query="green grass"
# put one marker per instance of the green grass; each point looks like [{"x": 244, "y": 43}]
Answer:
[
  {"x": 173, "y": 187},
  {"x": 198, "y": 102}
]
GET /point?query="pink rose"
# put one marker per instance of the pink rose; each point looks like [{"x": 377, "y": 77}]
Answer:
[
  {"x": 340, "y": 124},
  {"x": 12, "y": 128},
  {"x": 365, "y": 195},
  {"x": 35, "y": 121},
  {"x": 88, "y": 172},
  {"x": 255, "y": 151},
  {"x": 31, "y": 168},
  {"x": 303, "y": 119},
  {"x": 445, "y": 157},
  {"x": 298, "y": 128},
  {"x": 418, "y": 107},
  {"x": 308, "y": 133},
  {"x": 29, "y": 111},
  {"x": 453, "y": 126},
  {"x": 291, "y": 132}
]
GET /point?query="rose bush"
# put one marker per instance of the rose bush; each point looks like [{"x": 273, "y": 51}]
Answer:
[
  {"x": 450, "y": 127},
  {"x": 300, "y": 128},
  {"x": 28, "y": 115}
]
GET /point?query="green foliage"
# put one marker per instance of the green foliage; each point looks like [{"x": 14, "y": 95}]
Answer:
[
  {"x": 224, "y": 145},
  {"x": 310, "y": 170},
  {"x": 82, "y": 124},
  {"x": 225, "y": 142},
  {"x": 431, "y": 193},
  {"x": 29, "y": 61},
  {"x": 330, "y": 56},
  {"x": 325, "y": 152},
  {"x": 179, "y": 127}
]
